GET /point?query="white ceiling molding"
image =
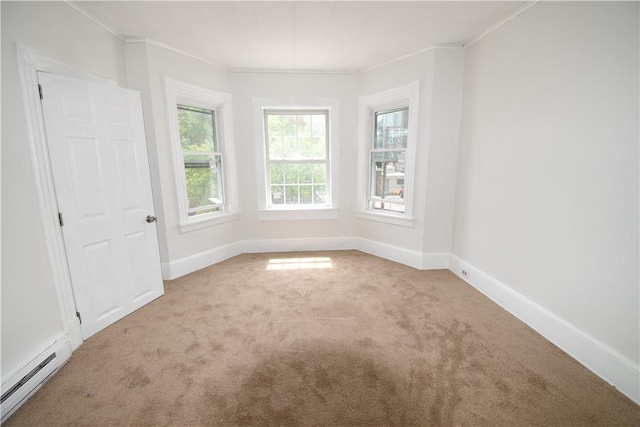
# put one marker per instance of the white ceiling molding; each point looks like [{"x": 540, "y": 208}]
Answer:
[
  {"x": 286, "y": 71},
  {"x": 409, "y": 55},
  {"x": 344, "y": 40},
  {"x": 500, "y": 24},
  {"x": 73, "y": 5},
  {"x": 173, "y": 49}
]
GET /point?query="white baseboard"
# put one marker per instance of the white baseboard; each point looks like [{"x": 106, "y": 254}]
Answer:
[
  {"x": 437, "y": 261},
  {"x": 603, "y": 360},
  {"x": 186, "y": 265},
  {"x": 415, "y": 259},
  {"x": 204, "y": 259},
  {"x": 404, "y": 256},
  {"x": 62, "y": 349}
]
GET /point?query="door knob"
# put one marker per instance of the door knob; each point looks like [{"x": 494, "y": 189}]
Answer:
[{"x": 151, "y": 219}]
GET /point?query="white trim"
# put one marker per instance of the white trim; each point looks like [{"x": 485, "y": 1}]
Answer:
[
  {"x": 603, "y": 360},
  {"x": 412, "y": 258},
  {"x": 29, "y": 63},
  {"x": 399, "y": 58},
  {"x": 74, "y": 5},
  {"x": 499, "y": 24},
  {"x": 436, "y": 261},
  {"x": 332, "y": 105},
  {"x": 288, "y": 71},
  {"x": 203, "y": 259},
  {"x": 184, "y": 93},
  {"x": 210, "y": 222},
  {"x": 385, "y": 217},
  {"x": 297, "y": 214},
  {"x": 400, "y": 97},
  {"x": 74, "y": 332},
  {"x": 409, "y": 257},
  {"x": 176, "y": 50}
]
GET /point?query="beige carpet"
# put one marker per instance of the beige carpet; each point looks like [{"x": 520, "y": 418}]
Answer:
[{"x": 327, "y": 338}]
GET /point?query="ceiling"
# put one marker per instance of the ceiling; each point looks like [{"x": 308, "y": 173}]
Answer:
[{"x": 339, "y": 36}]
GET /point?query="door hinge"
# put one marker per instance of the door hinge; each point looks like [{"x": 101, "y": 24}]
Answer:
[
  {"x": 79, "y": 317},
  {"x": 60, "y": 219},
  {"x": 40, "y": 91}
]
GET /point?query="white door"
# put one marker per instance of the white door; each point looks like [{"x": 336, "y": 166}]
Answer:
[{"x": 100, "y": 169}]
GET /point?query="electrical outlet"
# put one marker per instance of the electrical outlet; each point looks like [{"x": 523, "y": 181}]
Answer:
[{"x": 465, "y": 273}]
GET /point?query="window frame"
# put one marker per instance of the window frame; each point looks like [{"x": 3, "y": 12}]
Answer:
[
  {"x": 371, "y": 199},
  {"x": 387, "y": 101},
  {"x": 269, "y": 212},
  {"x": 188, "y": 95},
  {"x": 326, "y": 161}
]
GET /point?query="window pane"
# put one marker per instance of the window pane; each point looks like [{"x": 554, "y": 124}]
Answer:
[
  {"x": 318, "y": 125},
  {"x": 387, "y": 206},
  {"x": 319, "y": 148},
  {"x": 304, "y": 125},
  {"x": 319, "y": 194},
  {"x": 277, "y": 174},
  {"x": 319, "y": 174},
  {"x": 204, "y": 182},
  {"x": 289, "y": 148},
  {"x": 274, "y": 125},
  {"x": 387, "y": 179},
  {"x": 306, "y": 194},
  {"x": 394, "y": 157},
  {"x": 291, "y": 194},
  {"x": 289, "y": 125},
  {"x": 275, "y": 148},
  {"x": 306, "y": 147},
  {"x": 277, "y": 194},
  {"x": 302, "y": 137},
  {"x": 391, "y": 129},
  {"x": 291, "y": 174},
  {"x": 196, "y": 129},
  {"x": 306, "y": 173}
]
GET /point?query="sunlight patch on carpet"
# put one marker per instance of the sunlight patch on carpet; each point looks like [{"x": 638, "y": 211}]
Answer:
[{"x": 299, "y": 263}]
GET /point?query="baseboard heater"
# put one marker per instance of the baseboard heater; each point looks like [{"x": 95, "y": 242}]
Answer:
[{"x": 37, "y": 372}]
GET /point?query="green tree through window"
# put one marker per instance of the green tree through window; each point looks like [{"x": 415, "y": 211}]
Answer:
[
  {"x": 297, "y": 157},
  {"x": 202, "y": 161}
]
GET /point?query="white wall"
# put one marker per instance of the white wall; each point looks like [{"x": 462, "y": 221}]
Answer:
[
  {"x": 442, "y": 156},
  {"x": 547, "y": 199},
  {"x": 439, "y": 73},
  {"x": 147, "y": 66},
  {"x": 30, "y": 317},
  {"x": 294, "y": 89},
  {"x": 400, "y": 73},
  {"x": 547, "y": 176}
]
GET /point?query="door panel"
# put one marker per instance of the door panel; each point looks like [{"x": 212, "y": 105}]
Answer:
[{"x": 98, "y": 154}]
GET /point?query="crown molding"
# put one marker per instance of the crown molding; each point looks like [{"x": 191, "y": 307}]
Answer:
[
  {"x": 500, "y": 23},
  {"x": 74, "y": 5},
  {"x": 133, "y": 40}
]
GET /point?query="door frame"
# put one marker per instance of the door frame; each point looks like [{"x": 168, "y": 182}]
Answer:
[{"x": 29, "y": 63}]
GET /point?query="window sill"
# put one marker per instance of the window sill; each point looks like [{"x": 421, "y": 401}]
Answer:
[
  {"x": 297, "y": 214},
  {"x": 386, "y": 218},
  {"x": 208, "y": 222}
]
